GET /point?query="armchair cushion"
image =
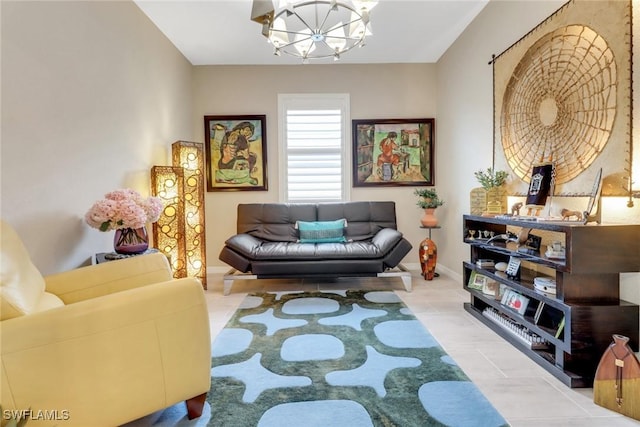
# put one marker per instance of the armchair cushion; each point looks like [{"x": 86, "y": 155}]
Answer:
[
  {"x": 106, "y": 278},
  {"x": 22, "y": 287}
]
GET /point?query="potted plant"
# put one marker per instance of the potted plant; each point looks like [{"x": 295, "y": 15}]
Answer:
[
  {"x": 126, "y": 212},
  {"x": 491, "y": 179},
  {"x": 428, "y": 200}
]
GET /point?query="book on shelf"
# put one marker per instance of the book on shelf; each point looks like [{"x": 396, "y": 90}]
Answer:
[
  {"x": 560, "y": 328},
  {"x": 485, "y": 263},
  {"x": 549, "y": 318},
  {"x": 536, "y": 316}
]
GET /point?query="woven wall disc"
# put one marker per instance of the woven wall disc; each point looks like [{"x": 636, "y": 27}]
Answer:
[{"x": 560, "y": 103}]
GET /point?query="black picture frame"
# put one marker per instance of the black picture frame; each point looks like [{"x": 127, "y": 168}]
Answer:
[
  {"x": 236, "y": 152},
  {"x": 393, "y": 152}
]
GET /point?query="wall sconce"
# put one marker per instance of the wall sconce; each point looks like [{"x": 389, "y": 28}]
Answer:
[
  {"x": 168, "y": 231},
  {"x": 190, "y": 157}
]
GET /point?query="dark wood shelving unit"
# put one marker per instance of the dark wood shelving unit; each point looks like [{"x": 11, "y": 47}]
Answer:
[{"x": 578, "y": 322}]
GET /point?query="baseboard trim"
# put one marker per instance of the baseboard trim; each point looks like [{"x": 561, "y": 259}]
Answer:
[
  {"x": 217, "y": 269},
  {"x": 411, "y": 266}
]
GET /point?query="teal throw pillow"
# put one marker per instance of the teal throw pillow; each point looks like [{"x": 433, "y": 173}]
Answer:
[{"x": 322, "y": 231}]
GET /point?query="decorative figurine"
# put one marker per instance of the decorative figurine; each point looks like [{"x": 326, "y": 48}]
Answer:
[
  {"x": 515, "y": 209},
  {"x": 567, "y": 214}
]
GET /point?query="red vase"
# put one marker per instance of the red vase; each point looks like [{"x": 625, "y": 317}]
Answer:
[
  {"x": 428, "y": 257},
  {"x": 129, "y": 241}
]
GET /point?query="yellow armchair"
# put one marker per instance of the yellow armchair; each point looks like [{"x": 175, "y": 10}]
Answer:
[{"x": 100, "y": 345}]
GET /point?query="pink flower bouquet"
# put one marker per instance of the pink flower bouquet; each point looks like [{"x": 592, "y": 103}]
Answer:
[{"x": 124, "y": 208}]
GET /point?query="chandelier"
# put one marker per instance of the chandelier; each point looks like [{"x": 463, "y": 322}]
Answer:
[{"x": 314, "y": 29}]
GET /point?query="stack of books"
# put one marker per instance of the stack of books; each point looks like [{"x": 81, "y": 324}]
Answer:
[{"x": 485, "y": 263}]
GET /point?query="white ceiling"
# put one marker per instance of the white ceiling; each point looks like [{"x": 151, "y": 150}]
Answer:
[{"x": 210, "y": 32}]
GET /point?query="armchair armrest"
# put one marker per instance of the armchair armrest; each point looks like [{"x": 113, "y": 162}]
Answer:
[
  {"x": 138, "y": 350},
  {"x": 109, "y": 277}
]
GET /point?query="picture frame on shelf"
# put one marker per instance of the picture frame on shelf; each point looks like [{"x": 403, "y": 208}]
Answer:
[
  {"x": 236, "y": 152},
  {"x": 491, "y": 288},
  {"x": 513, "y": 268},
  {"x": 478, "y": 281},
  {"x": 515, "y": 301},
  {"x": 393, "y": 152}
]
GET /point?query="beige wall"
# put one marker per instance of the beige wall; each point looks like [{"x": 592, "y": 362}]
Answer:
[
  {"x": 376, "y": 92},
  {"x": 92, "y": 96}
]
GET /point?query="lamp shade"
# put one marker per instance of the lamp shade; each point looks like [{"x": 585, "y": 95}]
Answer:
[
  {"x": 168, "y": 231},
  {"x": 190, "y": 157}
]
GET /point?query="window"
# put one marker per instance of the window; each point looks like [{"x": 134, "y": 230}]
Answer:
[{"x": 313, "y": 141}]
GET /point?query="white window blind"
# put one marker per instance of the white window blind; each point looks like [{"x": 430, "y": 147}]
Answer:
[{"x": 313, "y": 148}]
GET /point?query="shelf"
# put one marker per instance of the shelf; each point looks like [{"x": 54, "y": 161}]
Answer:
[
  {"x": 517, "y": 330},
  {"x": 560, "y": 226},
  {"x": 524, "y": 285},
  {"x": 547, "y": 333},
  {"x": 578, "y": 322},
  {"x": 511, "y": 249},
  {"x": 544, "y": 358}
]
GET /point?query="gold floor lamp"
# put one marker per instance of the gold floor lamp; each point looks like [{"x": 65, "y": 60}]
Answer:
[{"x": 180, "y": 232}]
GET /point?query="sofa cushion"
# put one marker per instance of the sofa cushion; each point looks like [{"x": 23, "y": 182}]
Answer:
[
  {"x": 274, "y": 221},
  {"x": 366, "y": 219},
  {"x": 322, "y": 231},
  {"x": 21, "y": 284},
  {"x": 315, "y": 251}
]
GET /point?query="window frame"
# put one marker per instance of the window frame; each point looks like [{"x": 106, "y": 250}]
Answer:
[{"x": 297, "y": 101}]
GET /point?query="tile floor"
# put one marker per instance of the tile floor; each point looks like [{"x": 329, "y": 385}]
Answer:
[{"x": 524, "y": 393}]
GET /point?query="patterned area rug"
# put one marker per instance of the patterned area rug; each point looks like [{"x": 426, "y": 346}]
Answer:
[{"x": 345, "y": 358}]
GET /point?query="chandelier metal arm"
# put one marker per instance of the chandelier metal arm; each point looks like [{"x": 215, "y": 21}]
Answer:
[
  {"x": 326, "y": 17},
  {"x": 303, "y": 21},
  {"x": 291, "y": 43},
  {"x": 338, "y": 27}
]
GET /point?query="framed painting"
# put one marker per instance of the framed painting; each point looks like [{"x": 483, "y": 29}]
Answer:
[
  {"x": 236, "y": 153},
  {"x": 393, "y": 152}
]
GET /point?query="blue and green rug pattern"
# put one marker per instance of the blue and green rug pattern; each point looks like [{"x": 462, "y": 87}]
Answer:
[{"x": 344, "y": 358}]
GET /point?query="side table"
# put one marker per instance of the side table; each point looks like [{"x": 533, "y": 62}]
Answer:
[
  {"x": 428, "y": 253},
  {"x": 101, "y": 257}
]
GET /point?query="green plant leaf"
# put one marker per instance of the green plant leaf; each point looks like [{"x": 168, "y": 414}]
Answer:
[
  {"x": 428, "y": 198},
  {"x": 491, "y": 178}
]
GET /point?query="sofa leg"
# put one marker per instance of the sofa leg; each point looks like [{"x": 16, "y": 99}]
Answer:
[
  {"x": 403, "y": 273},
  {"x": 233, "y": 274},
  {"x": 227, "y": 286},
  {"x": 195, "y": 406},
  {"x": 406, "y": 281}
]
